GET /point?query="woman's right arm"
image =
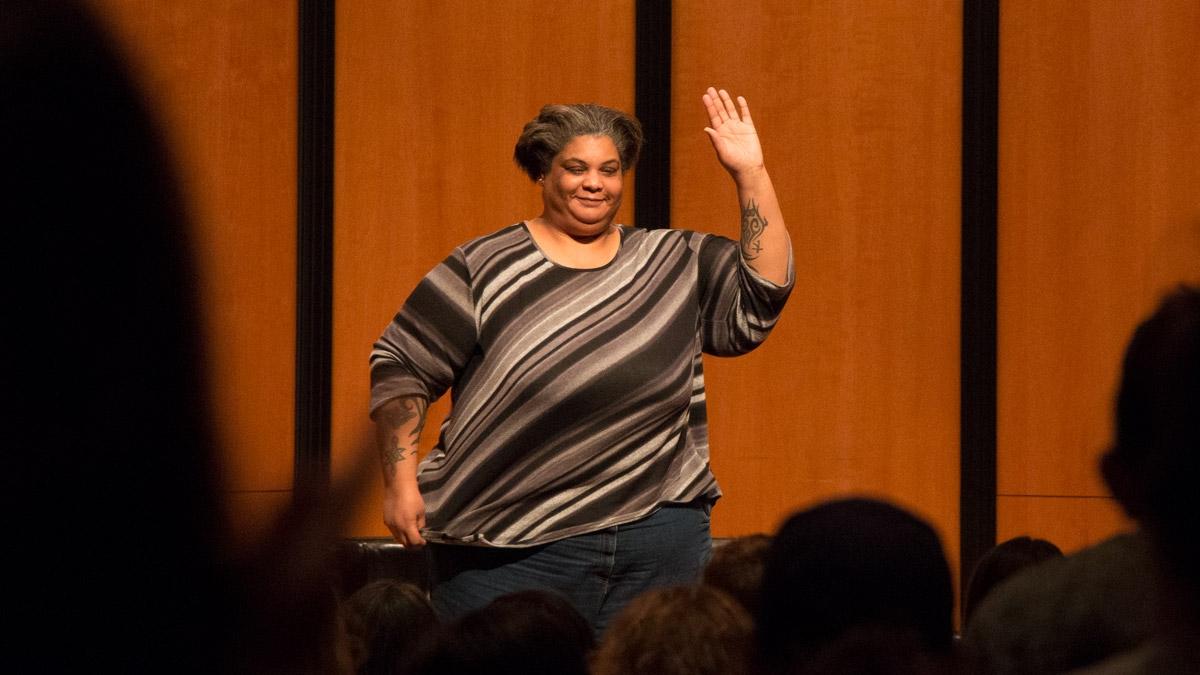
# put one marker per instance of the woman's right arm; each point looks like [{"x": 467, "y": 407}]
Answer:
[
  {"x": 416, "y": 360},
  {"x": 398, "y": 425}
]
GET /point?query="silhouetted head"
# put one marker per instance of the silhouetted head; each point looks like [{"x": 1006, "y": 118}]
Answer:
[
  {"x": 534, "y": 632},
  {"x": 1154, "y": 465},
  {"x": 851, "y": 564},
  {"x": 1001, "y": 562}
]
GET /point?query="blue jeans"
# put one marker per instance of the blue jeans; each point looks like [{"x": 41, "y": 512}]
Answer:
[{"x": 599, "y": 572}]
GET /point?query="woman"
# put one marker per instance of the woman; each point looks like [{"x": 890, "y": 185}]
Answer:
[{"x": 575, "y": 457}]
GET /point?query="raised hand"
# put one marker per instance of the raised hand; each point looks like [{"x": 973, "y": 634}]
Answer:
[{"x": 732, "y": 132}]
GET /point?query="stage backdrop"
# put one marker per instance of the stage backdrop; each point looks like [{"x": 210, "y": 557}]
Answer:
[{"x": 859, "y": 107}]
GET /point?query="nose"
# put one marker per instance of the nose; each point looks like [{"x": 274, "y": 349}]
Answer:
[{"x": 592, "y": 182}]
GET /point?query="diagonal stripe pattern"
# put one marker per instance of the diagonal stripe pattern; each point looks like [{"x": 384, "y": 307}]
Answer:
[{"x": 578, "y": 395}]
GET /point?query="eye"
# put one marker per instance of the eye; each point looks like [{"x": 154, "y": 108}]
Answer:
[
  {"x": 577, "y": 170},
  {"x": 609, "y": 171}
]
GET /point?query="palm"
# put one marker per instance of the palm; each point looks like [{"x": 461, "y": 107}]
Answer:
[{"x": 732, "y": 132}]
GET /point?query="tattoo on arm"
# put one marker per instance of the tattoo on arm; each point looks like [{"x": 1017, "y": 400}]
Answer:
[
  {"x": 396, "y": 454},
  {"x": 396, "y": 416},
  {"x": 753, "y": 225}
]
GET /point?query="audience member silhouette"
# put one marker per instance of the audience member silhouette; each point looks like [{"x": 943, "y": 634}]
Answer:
[
  {"x": 873, "y": 650},
  {"x": 1108, "y": 600},
  {"x": 114, "y": 517},
  {"x": 112, "y": 511},
  {"x": 1001, "y": 562},
  {"x": 736, "y": 567},
  {"x": 679, "y": 630},
  {"x": 1154, "y": 467},
  {"x": 853, "y": 564},
  {"x": 530, "y": 632},
  {"x": 386, "y": 619}
]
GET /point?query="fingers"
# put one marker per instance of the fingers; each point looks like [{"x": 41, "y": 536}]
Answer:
[
  {"x": 406, "y": 530},
  {"x": 413, "y": 530},
  {"x": 721, "y": 107},
  {"x": 409, "y": 534},
  {"x": 710, "y": 105},
  {"x": 727, "y": 103},
  {"x": 415, "y": 540},
  {"x": 745, "y": 109}
]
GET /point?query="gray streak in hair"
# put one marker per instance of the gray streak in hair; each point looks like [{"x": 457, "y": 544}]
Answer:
[{"x": 547, "y": 134}]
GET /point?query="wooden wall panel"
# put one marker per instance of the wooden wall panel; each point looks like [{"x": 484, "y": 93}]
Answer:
[
  {"x": 1099, "y": 215},
  {"x": 222, "y": 77},
  {"x": 1070, "y": 522},
  {"x": 856, "y": 391},
  {"x": 430, "y": 100}
]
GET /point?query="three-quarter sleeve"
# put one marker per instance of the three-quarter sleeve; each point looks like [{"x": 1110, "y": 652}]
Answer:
[
  {"x": 431, "y": 338},
  {"x": 738, "y": 307}
]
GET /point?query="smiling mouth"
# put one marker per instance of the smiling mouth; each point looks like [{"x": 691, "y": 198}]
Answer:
[{"x": 591, "y": 201}]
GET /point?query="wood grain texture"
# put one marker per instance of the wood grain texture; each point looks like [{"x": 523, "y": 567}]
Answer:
[
  {"x": 858, "y": 105},
  {"x": 222, "y": 77},
  {"x": 430, "y": 100},
  {"x": 1099, "y": 215}
]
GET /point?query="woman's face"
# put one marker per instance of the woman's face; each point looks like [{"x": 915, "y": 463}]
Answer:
[{"x": 582, "y": 190}]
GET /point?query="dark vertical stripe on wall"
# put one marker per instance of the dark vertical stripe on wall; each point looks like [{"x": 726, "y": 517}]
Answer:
[
  {"x": 980, "y": 113},
  {"x": 652, "y": 105},
  {"x": 314, "y": 248}
]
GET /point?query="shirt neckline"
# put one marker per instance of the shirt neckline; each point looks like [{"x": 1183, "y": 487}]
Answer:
[{"x": 620, "y": 246}]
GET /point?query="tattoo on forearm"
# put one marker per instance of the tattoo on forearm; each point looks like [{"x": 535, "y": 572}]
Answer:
[
  {"x": 396, "y": 454},
  {"x": 403, "y": 444},
  {"x": 753, "y": 225}
]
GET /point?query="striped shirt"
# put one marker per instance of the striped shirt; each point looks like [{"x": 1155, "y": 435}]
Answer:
[{"x": 577, "y": 394}]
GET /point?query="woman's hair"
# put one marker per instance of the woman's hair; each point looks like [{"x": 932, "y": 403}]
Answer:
[
  {"x": 680, "y": 630},
  {"x": 547, "y": 134}
]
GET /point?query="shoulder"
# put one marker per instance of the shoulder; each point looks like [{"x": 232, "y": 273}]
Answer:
[
  {"x": 505, "y": 237},
  {"x": 710, "y": 252},
  {"x": 669, "y": 237},
  {"x": 1114, "y": 562},
  {"x": 504, "y": 245},
  {"x": 1099, "y": 595},
  {"x": 463, "y": 265}
]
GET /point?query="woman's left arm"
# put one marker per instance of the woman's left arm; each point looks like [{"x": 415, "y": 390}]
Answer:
[{"x": 765, "y": 245}]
